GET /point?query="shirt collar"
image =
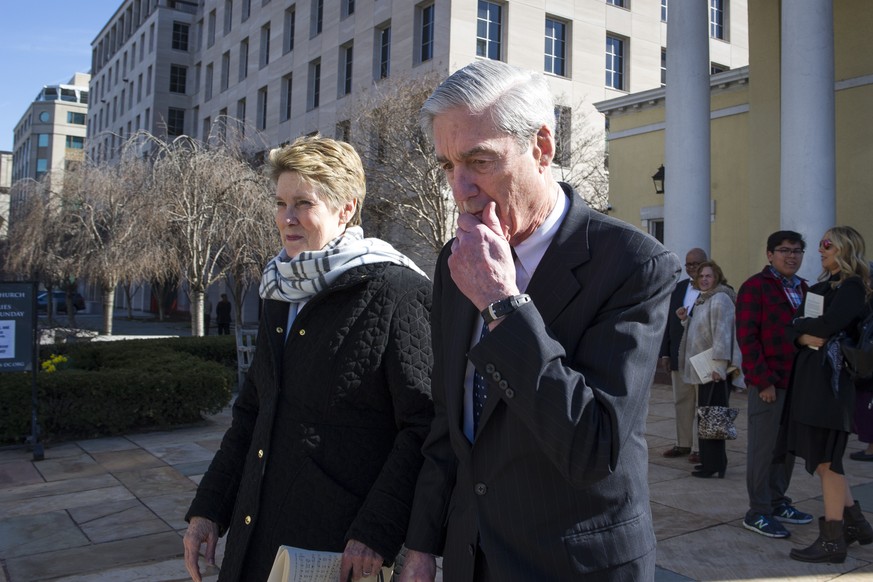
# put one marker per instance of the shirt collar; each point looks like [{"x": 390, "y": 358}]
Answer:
[
  {"x": 793, "y": 282},
  {"x": 530, "y": 251}
]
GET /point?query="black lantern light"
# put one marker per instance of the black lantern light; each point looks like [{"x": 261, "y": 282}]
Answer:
[{"x": 658, "y": 179}]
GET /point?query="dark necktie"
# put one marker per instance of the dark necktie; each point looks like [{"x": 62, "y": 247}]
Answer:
[{"x": 480, "y": 390}]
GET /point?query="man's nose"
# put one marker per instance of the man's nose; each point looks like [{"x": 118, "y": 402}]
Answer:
[{"x": 463, "y": 185}]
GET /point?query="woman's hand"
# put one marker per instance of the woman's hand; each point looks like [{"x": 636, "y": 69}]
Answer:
[
  {"x": 418, "y": 567},
  {"x": 811, "y": 340},
  {"x": 200, "y": 530},
  {"x": 716, "y": 377},
  {"x": 682, "y": 313},
  {"x": 359, "y": 561}
]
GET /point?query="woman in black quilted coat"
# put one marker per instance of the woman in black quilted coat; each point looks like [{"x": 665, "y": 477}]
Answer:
[{"x": 324, "y": 449}]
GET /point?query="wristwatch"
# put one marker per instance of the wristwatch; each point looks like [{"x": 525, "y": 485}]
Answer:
[{"x": 504, "y": 307}]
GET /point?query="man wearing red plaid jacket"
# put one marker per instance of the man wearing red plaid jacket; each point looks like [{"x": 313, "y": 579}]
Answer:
[{"x": 766, "y": 304}]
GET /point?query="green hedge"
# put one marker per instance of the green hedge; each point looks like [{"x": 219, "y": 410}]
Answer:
[{"x": 109, "y": 388}]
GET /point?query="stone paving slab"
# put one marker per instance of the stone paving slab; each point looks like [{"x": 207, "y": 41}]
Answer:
[
  {"x": 171, "y": 508},
  {"x": 36, "y": 534},
  {"x": 126, "y": 460},
  {"x": 153, "y": 482},
  {"x": 20, "y": 472},
  {"x": 105, "y": 522},
  {"x": 95, "y": 558},
  {"x": 107, "y": 444},
  {"x": 69, "y": 467}
]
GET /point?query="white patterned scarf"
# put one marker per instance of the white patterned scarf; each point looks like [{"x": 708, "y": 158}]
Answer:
[{"x": 302, "y": 277}]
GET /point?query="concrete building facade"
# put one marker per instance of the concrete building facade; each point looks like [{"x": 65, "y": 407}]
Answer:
[{"x": 291, "y": 67}]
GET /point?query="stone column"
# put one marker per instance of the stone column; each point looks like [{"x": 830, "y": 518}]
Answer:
[
  {"x": 807, "y": 181},
  {"x": 686, "y": 140}
]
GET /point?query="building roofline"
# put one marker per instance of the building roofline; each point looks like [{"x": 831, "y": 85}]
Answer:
[{"x": 652, "y": 96}]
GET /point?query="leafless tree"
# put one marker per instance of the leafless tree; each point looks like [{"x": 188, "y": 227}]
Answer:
[
  {"x": 405, "y": 186},
  {"x": 203, "y": 190},
  {"x": 580, "y": 157}
]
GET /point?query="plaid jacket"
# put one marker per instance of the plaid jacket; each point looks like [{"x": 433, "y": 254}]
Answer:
[{"x": 763, "y": 316}]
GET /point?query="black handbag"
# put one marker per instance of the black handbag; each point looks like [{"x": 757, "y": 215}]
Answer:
[{"x": 717, "y": 422}]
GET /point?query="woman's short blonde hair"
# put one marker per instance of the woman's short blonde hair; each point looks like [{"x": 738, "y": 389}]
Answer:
[
  {"x": 850, "y": 255},
  {"x": 332, "y": 167}
]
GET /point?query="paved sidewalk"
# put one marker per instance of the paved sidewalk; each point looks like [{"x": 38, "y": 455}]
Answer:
[{"x": 111, "y": 509}]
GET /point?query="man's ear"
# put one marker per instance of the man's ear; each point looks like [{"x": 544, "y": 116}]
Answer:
[{"x": 545, "y": 143}]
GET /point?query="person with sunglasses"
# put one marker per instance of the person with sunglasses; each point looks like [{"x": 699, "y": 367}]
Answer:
[{"x": 822, "y": 396}]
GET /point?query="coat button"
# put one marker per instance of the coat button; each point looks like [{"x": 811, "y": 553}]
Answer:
[
  {"x": 302, "y": 332},
  {"x": 280, "y": 330},
  {"x": 489, "y": 368},
  {"x": 509, "y": 393},
  {"x": 503, "y": 384},
  {"x": 496, "y": 376},
  {"x": 248, "y": 519},
  {"x": 480, "y": 489},
  {"x": 261, "y": 453}
]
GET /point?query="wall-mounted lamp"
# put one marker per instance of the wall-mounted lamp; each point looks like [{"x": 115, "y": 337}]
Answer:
[{"x": 658, "y": 179}]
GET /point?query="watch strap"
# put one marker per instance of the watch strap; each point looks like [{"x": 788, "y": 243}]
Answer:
[{"x": 503, "y": 307}]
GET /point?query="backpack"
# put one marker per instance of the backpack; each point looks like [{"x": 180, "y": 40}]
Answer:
[{"x": 858, "y": 353}]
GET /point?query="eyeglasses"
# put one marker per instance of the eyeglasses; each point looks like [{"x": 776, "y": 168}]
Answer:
[
  {"x": 825, "y": 244},
  {"x": 788, "y": 252}
]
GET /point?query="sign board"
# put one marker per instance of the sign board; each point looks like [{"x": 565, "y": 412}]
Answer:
[{"x": 17, "y": 319}]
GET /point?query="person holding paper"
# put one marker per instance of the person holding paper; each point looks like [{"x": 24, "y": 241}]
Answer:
[
  {"x": 822, "y": 396},
  {"x": 710, "y": 326},
  {"x": 325, "y": 443},
  {"x": 766, "y": 304}
]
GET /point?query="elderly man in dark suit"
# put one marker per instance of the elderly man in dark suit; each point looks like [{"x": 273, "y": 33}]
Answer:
[
  {"x": 536, "y": 463},
  {"x": 684, "y": 394}
]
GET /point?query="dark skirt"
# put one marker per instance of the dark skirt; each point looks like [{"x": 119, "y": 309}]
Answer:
[{"x": 817, "y": 445}]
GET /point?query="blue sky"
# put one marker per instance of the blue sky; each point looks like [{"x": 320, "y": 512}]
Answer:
[{"x": 43, "y": 42}]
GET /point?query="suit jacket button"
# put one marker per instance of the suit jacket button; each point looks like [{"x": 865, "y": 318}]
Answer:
[
  {"x": 509, "y": 393},
  {"x": 503, "y": 384},
  {"x": 260, "y": 453},
  {"x": 248, "y": 519},
  {"x": 480, "y": 489},
  {"x": 302, "y": 332},
  {"x": 489, "y": 368},
  {"x": 496, "y": 376},
  {"x": 280, "y": 330}
]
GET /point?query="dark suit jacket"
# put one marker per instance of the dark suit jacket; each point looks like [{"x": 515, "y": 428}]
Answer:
[
  {"x": 673, "y": 329},
  {"x": 555, "y": 486}
]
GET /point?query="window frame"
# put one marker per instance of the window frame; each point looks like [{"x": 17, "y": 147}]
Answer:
[
  {"x": 492, "y": 42},
  {"x": 553, "y": 41},
  {"x": 620, "y": 72}
]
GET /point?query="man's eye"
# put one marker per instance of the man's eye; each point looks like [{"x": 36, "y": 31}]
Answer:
[{"x": 446, "y": 167}]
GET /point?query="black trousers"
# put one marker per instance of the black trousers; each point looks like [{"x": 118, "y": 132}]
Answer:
[{"x": 713, "y": 454}]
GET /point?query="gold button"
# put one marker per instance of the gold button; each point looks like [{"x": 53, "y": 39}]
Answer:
[
  {"x": 248, "y": 519},
  {"x": 261, "y": 453},
  {"x": 302, "y": 332},
  {"x": 279, "y": 330}
]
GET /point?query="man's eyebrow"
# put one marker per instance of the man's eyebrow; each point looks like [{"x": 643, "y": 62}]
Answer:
[{"x": 477, "y": 150}]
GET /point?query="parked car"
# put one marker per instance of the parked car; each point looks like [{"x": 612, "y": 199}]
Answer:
[{"x": 59, "y": 299}]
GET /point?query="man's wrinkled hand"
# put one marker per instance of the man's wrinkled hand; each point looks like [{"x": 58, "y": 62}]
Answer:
[
  {"x": 200, "y": 531},
  {"x": 418, "y": 567}
]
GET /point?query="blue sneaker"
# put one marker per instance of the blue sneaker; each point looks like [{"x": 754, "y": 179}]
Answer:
[
  {"x": 789, "y": 514},
  {"x": 765, "y": 525}
]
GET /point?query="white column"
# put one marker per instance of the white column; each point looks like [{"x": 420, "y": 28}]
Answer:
[
  {"x": 686, "y": 140},
  {"x": 807, "y": 185}
]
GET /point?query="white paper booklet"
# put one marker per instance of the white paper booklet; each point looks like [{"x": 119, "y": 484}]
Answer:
[
  {"x": 299, "y": 565},
  {"x": 814, "y": 307},
  {"x": 703, "y": 365}
]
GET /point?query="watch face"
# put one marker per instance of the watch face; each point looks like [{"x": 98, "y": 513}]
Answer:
[{"x": 44, "y": 116}]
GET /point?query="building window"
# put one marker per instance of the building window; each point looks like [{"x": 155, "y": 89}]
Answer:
[
  {"x": 75, "y": 118},
  {"x": 343, "y": 130},
  {"x": 715, "y": 68},
  {"x": 346, "y": 60},
  {"x": 241, "y": 116},
  {"x": 663, "y": 10},
  {"x": 175, "y": 122},
  {"x": 314, "y": 91},
  {"x": 243, "y": 59},
  {"x": 149, "y": 81},
  {"x": 210, "y": 30},
  {"x": 77, "y": 142},
  {"x": 180, "y": 36},
  {"x": 197, "y": 71},
  {"x": 621, "y": 3},
  {"x": 178, "y": 78},
  {"x": 207, "y": 127},
  {"x": 287, "y": 88},
  {"x": 556, "y": 47},
  {"x": 663, "y": 67},
  {"x": 488, "y": 30},
  {"x": 42, "y": 140},
  {"x": 655, "y": 228},
  {"x": 615, "y": 62},
  {"x": 316, "y": 22},
  {"x": 265, "y": 45},
  {"x": 208, "y": 82},
  {"x": 563, "y": 135},
  {"x": 384, "y": 46},
  {"x": 716, "y": 19},
  {"x": 425, "y": 30},
  {"x": 228, "y": 16},
  {"x": 246, "y": 9},
  {"x": 262, "y": 108},
  {"x": 41, "y": 166},
  {"x": 347, "y": 9},
  {"x": 288, "y": 33}
]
